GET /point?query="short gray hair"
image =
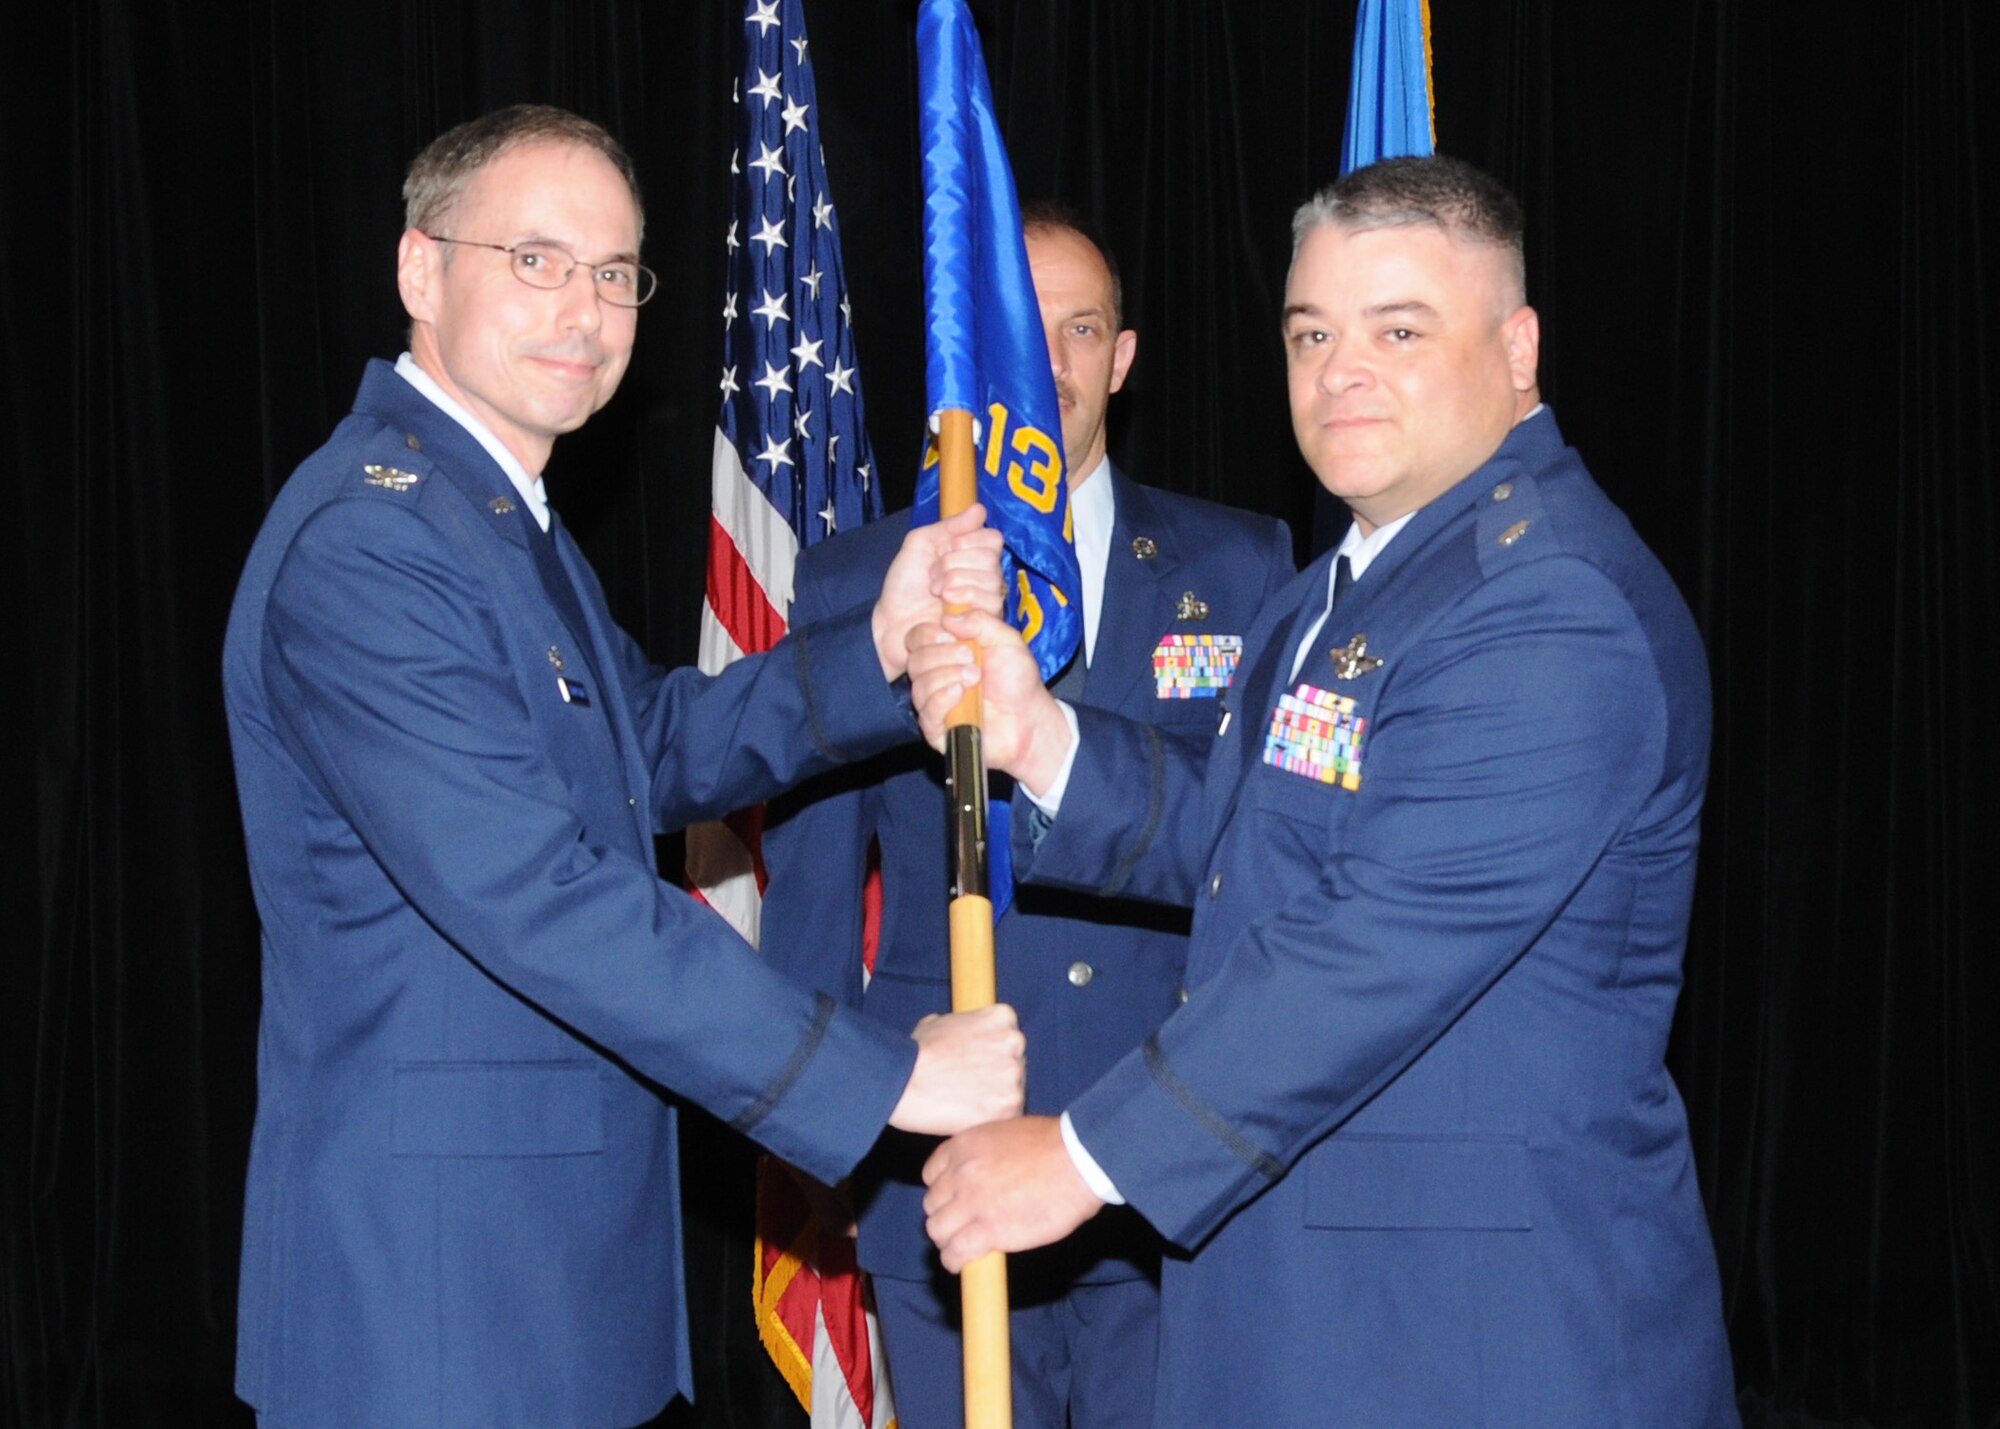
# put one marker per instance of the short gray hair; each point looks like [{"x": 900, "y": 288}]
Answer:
[
  {"x": 439, "y": 175},
  {"x": 1467, "y": 204}
]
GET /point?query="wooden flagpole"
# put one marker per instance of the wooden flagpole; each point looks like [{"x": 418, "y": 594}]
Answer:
[{"x": 989, "y": 1384}]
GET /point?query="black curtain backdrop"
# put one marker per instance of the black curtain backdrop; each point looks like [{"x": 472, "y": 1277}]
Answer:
[{"x": 1757, "y": 242}]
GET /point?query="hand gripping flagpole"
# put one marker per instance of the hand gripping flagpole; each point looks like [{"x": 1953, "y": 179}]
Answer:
[{"x": 989, "y": 1386}]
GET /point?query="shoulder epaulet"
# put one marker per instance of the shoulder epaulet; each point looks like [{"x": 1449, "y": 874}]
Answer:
[
  {"x": 393, "y": 461},
  {"x": 1511, "y": 523}
]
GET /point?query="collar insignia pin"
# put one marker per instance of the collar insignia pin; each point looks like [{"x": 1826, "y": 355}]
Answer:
[
  {"x": 556, "y": 659},
  {"x": 389, "y": 477},
  {"x": 1352, "y": 660},
  {"x": 501, "y": 506},
  {"x": 1144, "y": 548},
  {"x": 1190, "y": 608}
]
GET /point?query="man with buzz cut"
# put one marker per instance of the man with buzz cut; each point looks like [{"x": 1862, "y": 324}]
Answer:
[
  {"x": 1413, "y": 1129},
  {"x": 1169, "y": 585},
  {"x": 463, "y": 1199}
]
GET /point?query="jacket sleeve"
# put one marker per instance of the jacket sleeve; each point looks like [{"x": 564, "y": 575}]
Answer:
[
  {"x": 391, "y": 675},
  {"x": 816, "y": 856},
  {"x": 1527, "y": 731},
  {"x": 722, "y": 742},
  {"x": 1122, "y": 830}
]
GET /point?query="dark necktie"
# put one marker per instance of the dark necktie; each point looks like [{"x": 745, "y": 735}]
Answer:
[
  {"x": 1069, "y": 682},
  {"x": 1312, "y": 627},
  {"x": 548, "y": 564}
]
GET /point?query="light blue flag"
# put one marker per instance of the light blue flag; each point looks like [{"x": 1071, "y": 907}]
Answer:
[
  {"x": 1388, "y": 117},
  {"x": 1389, "y": 92},
  {"x": 985, "y": 353}
]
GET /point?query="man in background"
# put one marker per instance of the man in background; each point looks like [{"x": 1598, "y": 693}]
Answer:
[{"x": 1169, "y": 585}]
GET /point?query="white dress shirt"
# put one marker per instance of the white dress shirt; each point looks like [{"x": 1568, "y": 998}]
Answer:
[{"x": 1093, "y": 508}]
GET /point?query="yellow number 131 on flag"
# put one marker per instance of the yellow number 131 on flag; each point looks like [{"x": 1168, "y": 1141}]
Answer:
[{"x": 1036, "y": 483}]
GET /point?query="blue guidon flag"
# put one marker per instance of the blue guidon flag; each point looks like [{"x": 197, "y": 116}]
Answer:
[{"x": 985, "y": 353}]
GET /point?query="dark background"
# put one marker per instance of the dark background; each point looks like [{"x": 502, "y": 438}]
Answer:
[{"x": 1758, "y": 242}]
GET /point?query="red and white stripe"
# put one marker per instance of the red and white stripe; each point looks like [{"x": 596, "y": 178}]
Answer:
[
  {"x": 811, "y": 1305},
  {"x": 752, "y": 551}
]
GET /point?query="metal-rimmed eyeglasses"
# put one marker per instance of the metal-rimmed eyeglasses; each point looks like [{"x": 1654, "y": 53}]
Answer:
[{"x": 548, "y": 265}]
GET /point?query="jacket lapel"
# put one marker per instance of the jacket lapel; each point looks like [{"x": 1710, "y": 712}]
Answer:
[
  {"x": 1138, "y": 595},
  {"x": 1254, "y": 694}
]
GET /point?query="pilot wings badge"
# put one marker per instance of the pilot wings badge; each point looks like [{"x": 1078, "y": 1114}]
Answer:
[
  {"x": 1352, "y": 660},
  {"x": 389, "y": 477}
]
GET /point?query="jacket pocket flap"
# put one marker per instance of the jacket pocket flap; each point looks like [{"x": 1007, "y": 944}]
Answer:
[
  {"x": 1419, "y": 1183},
  {"x": 497, "y": 1109}
]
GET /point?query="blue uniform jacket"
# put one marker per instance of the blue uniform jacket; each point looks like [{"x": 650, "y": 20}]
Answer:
[
  {"x": 1414, "y": 1122},
  {"x": 463, "y": 1199},
  {"x": 1089, "y": 977}
]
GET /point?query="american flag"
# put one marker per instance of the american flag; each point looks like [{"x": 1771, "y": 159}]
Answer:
[{"x": 791, "y": 466}]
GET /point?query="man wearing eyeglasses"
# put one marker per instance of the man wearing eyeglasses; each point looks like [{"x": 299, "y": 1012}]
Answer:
[{"x": 462, "y": 1205}]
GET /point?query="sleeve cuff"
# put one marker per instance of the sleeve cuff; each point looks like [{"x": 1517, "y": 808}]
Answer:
[
  {"x": 1086, "y": 1164},
  {"x": 851, "y": 712},
  {"x": 1050, "y": 803}
]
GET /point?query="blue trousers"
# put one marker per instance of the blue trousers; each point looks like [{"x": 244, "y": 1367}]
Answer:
[{"x": 1084, "y": 1357}]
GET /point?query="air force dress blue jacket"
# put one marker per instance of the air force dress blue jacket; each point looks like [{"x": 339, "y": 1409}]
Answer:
[
  {"x": 1414, "y": 1123},
  {"x": 463, "y": 1198}
]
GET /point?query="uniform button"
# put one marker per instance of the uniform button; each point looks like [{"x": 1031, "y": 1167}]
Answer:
[
  {"x": 1215, "y": 886},
  {"x": 1504, "y": 490},
  {"x": 1080, "y": 974},
  {"x": 1182, "y": 994},
  {"x": 632, "y": 803}
]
